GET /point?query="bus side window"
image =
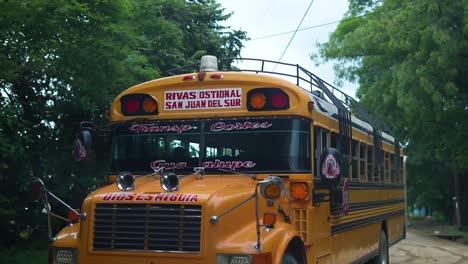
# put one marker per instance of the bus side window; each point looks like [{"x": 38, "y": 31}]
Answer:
[
  {"x": 362, "y": 162},
  {"x": 386, "y": 167},
  {"x": 355, "y": 155},
  {"x": 320, "y": 144},
  {"x": 393, "y": 171},
  {"x": 334, "y": 140},
  {"x": 370, "y": 163}
]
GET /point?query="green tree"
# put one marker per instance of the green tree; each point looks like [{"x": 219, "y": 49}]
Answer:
[
  {"x": 410, "y": 60},
  {"x": 62, "y": 62},
  {"x": 174, "y": 33}
]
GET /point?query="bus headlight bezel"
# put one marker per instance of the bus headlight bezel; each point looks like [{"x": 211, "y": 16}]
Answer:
[
  {"x": 272, "y": 188},
  {"x": 125, "y": 181},
  {"x": 169, "y": 181}
]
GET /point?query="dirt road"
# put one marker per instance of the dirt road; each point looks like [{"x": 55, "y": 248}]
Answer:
[{"x": 419, "y": 249}]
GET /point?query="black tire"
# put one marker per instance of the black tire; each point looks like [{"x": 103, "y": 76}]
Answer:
[
  {"x": 289, "y": 259},
  {"x": 383, "y": 257}
]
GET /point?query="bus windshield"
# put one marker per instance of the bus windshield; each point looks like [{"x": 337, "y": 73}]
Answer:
[{"x": 258, "y": 145}]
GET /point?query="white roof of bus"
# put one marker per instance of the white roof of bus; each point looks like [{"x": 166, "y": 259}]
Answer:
[{"x": 326, "y": 108}]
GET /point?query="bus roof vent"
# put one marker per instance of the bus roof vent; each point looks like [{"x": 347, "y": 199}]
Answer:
[{"x": 209, "y": 63}]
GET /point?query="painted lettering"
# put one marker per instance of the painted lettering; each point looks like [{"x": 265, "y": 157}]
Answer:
[
  {"x": 221, "y": 126},
  {"x": 142, "y": 129},
  {"x": 231, "y": 165},
  {"x": 157, "y": 164},
  {"x": 155, "y": 197}
]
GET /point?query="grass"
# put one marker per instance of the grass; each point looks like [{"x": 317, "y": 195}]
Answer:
[
  {"x": 431, "y": 227},
  {"x": 24, "y": 256}
]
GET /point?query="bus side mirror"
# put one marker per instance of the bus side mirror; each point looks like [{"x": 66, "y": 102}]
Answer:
[{"x": 82, "y": 145}]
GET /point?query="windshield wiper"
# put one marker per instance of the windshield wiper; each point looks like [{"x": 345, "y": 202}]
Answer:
[{"x": 252, "y": 176}]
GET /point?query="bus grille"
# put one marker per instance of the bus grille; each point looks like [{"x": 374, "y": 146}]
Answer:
[{"x": 147, "y": 227}]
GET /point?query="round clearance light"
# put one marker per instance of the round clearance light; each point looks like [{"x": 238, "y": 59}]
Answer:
[
  {"x": 257, "y": 100},
  {"x": 125, "y": 181},
  {"x": 279, "y": 100},
  {"x": 299, "y": 190},
  {"x": 149, "y": 105},
  {"x": 131, "y": 105},
  {"x": 272, "y": 188},
  {"x": 169, "y": 181}
]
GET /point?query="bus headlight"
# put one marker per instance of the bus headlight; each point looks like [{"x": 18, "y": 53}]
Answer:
[
  {"x": 169, "y": 181},
  {"x": 125, "y": 181},
  {"x": 63, "y": 255}
]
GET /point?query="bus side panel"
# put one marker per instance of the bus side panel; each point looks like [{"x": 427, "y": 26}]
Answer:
[
  {"x": 355, "y": 244},
  {"x": 395, "y": 228}
]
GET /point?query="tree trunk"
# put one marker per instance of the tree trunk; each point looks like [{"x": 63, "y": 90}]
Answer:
[{"x": 456, "y": 198}]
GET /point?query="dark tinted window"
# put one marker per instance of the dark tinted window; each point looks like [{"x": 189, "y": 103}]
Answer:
[{"x": 260, "y": 144}]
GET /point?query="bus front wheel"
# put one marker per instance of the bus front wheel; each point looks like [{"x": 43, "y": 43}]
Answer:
[{"x": 289, "y": 259}]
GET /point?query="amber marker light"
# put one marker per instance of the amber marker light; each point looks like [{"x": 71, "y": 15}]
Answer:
[
  {"x": 111, "y": 178},
  {"x": 201, "y": 76},
  {"x": 299, "y": 190},
  {"x": 311, "y": 106},
  {"x": 149, "y": 105},
  {"x": 262, "y": 258},
  {"x": 73, "y": 216},
  {"x": 257, "y": 100},
  {"x": 269, "y": 219}
]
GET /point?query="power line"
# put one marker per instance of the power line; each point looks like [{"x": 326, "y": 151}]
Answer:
[
  {"x": 302, "y": 29},
  {"x": 298, "y": 26},
  {"x": 330, "y": 23}
]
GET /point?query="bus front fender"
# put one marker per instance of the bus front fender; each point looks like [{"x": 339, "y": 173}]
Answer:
[
  {"x": 68, "y": 237},
  {"x": 274, "y": 241}
]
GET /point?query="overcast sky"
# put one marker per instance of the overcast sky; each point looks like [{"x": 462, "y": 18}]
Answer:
[{"x": 262, "y": 18}]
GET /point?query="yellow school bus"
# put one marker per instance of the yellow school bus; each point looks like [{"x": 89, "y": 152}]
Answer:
[{"x": 240, "y": 166}]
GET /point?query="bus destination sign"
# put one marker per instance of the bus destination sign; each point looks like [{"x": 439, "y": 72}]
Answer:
[{"x": 203, "y": 99}]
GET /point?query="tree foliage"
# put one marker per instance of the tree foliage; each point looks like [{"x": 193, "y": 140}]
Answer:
[
  {"x": 62, "y": 62},
  {"x": 410, "y": 59}
]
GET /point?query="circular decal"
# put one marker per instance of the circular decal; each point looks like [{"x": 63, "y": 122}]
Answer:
[{"x": 330, "y": 168}]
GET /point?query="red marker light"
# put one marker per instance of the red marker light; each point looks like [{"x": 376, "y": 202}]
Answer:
[
  {"x": 216, "y": 76},
  {"x": 188, "y": 78},
  {"x": 131, "y": 105},
  {"x": 279, "y": 100}
]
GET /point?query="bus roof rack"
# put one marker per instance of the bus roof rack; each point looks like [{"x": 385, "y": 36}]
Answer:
[{"x": 303, "y": 78}]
